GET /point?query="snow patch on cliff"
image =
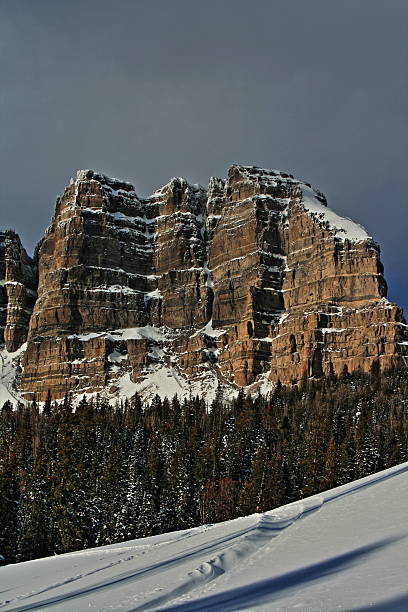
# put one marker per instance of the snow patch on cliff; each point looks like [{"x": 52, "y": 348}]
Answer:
[
  {"x": 166, "y": 382},
  {"x": 130, "y": 333},
  {"x": 9, "y": 364},
  {"x": 344, "y": 228},
  {"x": 208, "y": 330}
]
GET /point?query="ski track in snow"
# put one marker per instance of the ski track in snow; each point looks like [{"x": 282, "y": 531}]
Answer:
[
  {"x": 198, "y": 569},
  {"x": 235, "y": 546}
]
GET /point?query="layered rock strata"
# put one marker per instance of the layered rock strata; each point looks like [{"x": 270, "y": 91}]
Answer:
[
  {"x": 18, "y": 285},
  {"x": 180, "y": 253},
  {"x": 254, "y": 279},
  {"x": 95, "y": 274}
]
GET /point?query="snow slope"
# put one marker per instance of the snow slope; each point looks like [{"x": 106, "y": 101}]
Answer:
[
  {"x": 345, "y": 549},
  {"x": 343, "y": 226}
]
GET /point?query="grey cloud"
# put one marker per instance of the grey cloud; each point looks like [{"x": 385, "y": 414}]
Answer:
[{"x": 148, "y": 90}]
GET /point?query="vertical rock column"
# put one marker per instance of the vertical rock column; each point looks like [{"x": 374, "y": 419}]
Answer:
[
  {"x": 247, "y": 259},
  {"x": 180, "y": 254},
  {"x": 95, "y": 268},
  {"x": 18, "y": 285},
  {"x": 334, "y": 295}
]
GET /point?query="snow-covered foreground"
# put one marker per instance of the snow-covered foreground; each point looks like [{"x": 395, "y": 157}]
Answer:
[{"x": 346, "y": 549}]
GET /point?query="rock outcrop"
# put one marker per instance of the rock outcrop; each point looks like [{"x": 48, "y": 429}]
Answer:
[
  {"x": 18, "y": 285},
  {"x": 251, "y": 281},
  {"x": 95, "y": 265}
]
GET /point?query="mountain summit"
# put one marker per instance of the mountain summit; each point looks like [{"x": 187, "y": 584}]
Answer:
[{"x": 248, "y": 282}]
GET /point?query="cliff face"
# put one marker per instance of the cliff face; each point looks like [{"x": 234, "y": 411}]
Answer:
[
  {"x": 18, "y": 284},
  {"x": 252, "y": 280},
  {"x": 95, "y": 265}
]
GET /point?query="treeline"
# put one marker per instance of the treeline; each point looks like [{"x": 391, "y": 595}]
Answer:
[{"x": 97, "y": 474}]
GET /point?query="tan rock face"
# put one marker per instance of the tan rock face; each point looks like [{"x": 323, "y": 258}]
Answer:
[
  {"x": 180, "y": 253},
  {"x": 95, "y": 270},
  {"x": 246, "y": 258},
  {"x": 254, "y": 278},
  {"x": 18, "y": 284},
  {"x": 95, "y": 260}
]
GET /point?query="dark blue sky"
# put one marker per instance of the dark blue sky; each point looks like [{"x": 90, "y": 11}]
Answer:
[{"x": 150, "y": 90}]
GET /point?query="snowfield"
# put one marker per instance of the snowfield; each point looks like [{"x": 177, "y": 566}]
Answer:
[{"x": 345, "y": 549}]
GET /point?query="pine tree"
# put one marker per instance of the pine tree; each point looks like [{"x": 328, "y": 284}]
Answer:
[
  {"x": 330, "y": 477},
  {"x": 9, "y": 504},
  {"x": 252, "y": 495},
  {"x": 64, "y": 525}
]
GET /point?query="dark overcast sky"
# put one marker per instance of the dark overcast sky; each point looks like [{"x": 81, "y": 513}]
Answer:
[{"x": 147, "y": 90}]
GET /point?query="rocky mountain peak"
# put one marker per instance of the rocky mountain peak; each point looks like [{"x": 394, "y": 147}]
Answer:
[
  {"x": 179, "y": 196},
  {"x": 249, "y": 282},
  {"x": 113, "y": 183}
]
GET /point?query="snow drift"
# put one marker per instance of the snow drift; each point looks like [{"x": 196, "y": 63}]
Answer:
[{"x": 344, "y": 549}]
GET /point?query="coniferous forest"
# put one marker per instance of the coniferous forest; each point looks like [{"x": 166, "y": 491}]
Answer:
[{"x": 72, "y": 478}]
